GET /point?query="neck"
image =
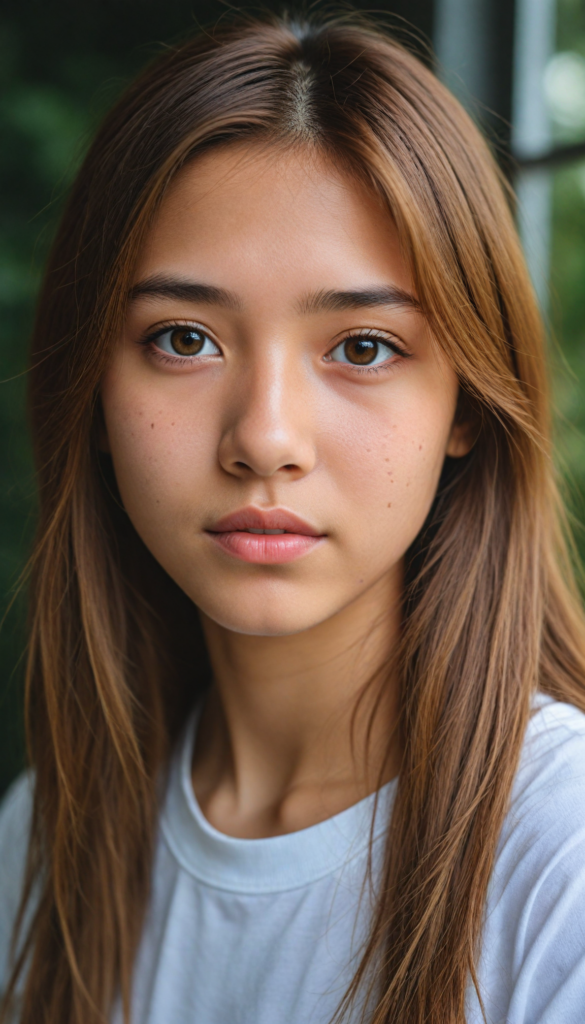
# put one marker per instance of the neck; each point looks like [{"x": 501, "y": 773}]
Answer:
[{"x": 288, "y": 736}]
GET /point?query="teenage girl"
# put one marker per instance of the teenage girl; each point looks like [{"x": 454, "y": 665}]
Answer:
[{"x": 306, "y": 675}]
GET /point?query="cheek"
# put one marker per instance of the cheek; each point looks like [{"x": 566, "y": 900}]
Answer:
[
  {"x": 387, "y": 463},
  {"x": 160, "y": 445}
]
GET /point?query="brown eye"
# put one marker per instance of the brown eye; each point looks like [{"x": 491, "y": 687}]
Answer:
[
  {"x": 186, "y": 341},
  {"x": 360, "y": 350}
]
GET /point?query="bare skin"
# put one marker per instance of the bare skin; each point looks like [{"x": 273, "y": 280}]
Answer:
[{"x": 254, "y": 398}]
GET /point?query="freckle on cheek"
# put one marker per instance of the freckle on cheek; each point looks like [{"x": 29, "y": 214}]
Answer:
[
  {"x": 389, "y": 504},
  {"x": 152, "y": 425}
]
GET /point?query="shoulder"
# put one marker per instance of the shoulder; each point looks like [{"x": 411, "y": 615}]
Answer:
[
  {"x": 15, "y": 820},
  {"x": 544, "y": 830},
  {"x": 534, "y": 938},
  {"x": 548, "y": 796}
]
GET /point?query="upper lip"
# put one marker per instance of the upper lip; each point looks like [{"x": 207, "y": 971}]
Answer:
[{"x": 264, "y": 519}]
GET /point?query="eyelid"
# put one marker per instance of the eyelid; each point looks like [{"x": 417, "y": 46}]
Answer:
[
  {"x": 391, "y": 341},
  {"x": 168, "y": 325},
  {"x": 177, "y": 360},
  {"x": 375, "y": 333}
]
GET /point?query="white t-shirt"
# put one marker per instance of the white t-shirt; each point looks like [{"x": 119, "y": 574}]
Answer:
[{"x": 267, "y": 931}]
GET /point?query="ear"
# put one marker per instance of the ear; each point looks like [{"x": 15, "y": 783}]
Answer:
[
  {"x": 465, "y": 427},
  {"x": 461, "y": 441}
]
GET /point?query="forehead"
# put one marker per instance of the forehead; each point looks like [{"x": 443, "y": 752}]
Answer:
[{"x": 290, "y": 218}]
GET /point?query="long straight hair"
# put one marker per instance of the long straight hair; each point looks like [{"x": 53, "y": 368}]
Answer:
[{"x": 116, "y": 653}]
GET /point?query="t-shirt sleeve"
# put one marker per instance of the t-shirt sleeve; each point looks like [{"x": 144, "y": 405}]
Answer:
[
  {"x": 15, "y": 818},
  {"x": 534, "y": 942}
]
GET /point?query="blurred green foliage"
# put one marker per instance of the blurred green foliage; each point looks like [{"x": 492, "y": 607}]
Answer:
[
  {"x": 567, "y": 314},
  {"x": 567, "y": 294}
]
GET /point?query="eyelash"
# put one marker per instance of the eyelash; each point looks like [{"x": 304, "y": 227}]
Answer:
[
  {"x": 388, "y": 341},
  {"x": 148, "y": 341}
]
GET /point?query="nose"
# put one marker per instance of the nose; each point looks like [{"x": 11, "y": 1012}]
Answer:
[{"x": 268, "y": 426}]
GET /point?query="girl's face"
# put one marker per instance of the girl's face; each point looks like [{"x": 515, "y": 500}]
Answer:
[{"x": 275, "y": 373}]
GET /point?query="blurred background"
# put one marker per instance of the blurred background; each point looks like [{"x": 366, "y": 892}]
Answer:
[{"x": 517, "y": 65}]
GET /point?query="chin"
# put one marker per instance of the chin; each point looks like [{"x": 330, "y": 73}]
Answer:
[
  {"x": 286, "y": 624},
  {"x": 270, "y": 615}
]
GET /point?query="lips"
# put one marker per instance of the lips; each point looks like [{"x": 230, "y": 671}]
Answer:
[{"x": 265, "y": 537}]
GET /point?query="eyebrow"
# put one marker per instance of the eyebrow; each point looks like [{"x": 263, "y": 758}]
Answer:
[
  {"x": 361, "y": 298},
  {"x": 161, "y": 287},
  {"x": 324, "y": 301}
]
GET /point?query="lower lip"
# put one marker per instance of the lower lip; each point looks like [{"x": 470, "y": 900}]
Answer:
[{"x": 265, "y": 548}]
